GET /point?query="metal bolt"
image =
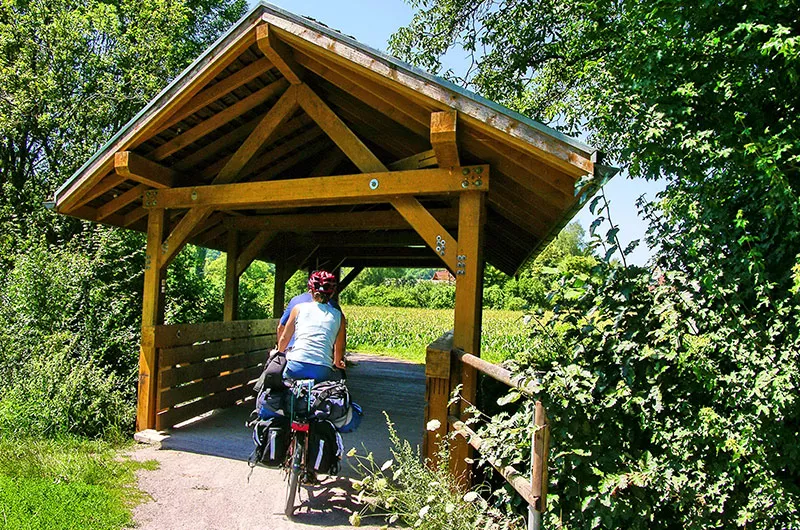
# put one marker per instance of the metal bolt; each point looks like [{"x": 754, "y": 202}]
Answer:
[
  {"x": 438, "y": 239},
  {"x": 165, "y": 246},
  {"x": 465, "y": 184},
  {"x": 178, "y": 334},
  {"x": 462, "y": 257},
  {"x": 373, "y": 184},
  {"x": 438, "y": 248},
  {"x": 478, "y": 170},
  {"x": 478, "y": 183},
  {"x": 194, "y": 195},
  {"x": 459, "y": 271},
  {"x": 441, "y": 253},
  {"x": 465, "y": 171}
]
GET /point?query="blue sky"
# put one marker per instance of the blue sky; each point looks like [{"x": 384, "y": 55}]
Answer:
[{"x": 373, "y": 21}]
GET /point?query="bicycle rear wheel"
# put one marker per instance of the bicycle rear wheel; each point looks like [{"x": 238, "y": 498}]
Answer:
[{"x": 294, "y": 477}]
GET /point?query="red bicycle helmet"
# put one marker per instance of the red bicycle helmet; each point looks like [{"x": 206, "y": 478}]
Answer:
[{"x": 322, "y": 282}]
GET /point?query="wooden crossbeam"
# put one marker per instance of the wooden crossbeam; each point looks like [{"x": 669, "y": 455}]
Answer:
[
  {"x": 138, "y": 168},
  {"x": 121, "y": 201},
  {"x": 347, "y": 280},
  {"x": 278, "y": 53},
  {"x": 372, "y": 220},
  {"x": 443, "y": 138},
  {"x": 251, "y": 251},
  {"x": 219, "y": 119},
  {"x": 216, "y": 91},
  {"x": 338, "y": 131},
  {"x": 342, "y": 189}
]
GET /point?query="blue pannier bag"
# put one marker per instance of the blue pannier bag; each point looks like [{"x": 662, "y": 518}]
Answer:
[{"x": 351, "y": 421}]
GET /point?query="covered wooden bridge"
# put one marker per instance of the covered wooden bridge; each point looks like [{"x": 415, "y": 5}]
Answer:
[{"x": 294, "y": 144}]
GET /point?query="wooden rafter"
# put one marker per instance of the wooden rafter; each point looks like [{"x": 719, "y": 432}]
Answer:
[
  {"x": 342, "y": 189},
  {"x": 251, "y": 251},
  {"x": 218, "y": 120},
  {"x": 371, "y": 220},
  {"x": 338, "y": 131},
  {"x": 276, "y": 116},
  {"x": 218, "y": 90},
  {"x": 327, "y": 164},
  {"x": 102, "y": 187},
  {"x": 417, "y": 161},
  {"x": 237, "y": 136},
  {"x": 113, "y": 206},
  {"x": 443, "y": 138},
  {"x": 278, "y": 53},
  {"x": 283, "y": 166}
]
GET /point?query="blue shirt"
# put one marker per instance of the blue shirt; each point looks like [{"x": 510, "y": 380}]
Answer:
[{"x": 300, "y": 299}]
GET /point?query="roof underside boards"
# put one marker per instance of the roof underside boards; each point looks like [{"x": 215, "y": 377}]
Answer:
[{"x": 196, "y": 126}]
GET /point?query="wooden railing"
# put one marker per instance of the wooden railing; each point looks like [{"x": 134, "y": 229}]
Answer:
[
  {"x": 444, "y": 364},
  {"x": 202, "y": 367}
]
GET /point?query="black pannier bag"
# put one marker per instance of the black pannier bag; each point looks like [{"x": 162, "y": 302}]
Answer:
[
  {"x": 329, "y": 400},
  {"x": 325, "y": 447},
  {"x": 271, "y": 437},
  {"x": 272, "y": 402},
  {"x": 272, "y": 376}
]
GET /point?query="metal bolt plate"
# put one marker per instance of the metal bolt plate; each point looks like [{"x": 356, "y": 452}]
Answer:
[{"x": 373, "y": 184}]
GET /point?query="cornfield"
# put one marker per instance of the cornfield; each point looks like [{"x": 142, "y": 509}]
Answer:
[{"x": 406, "y": 332}]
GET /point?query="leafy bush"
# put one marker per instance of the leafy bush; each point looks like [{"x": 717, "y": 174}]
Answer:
[
  {"x": 405, "y": 490},
  {"x": 669, "y": 406}
]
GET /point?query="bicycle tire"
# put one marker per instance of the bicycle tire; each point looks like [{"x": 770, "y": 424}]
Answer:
[{"x": 294, "y": 479}]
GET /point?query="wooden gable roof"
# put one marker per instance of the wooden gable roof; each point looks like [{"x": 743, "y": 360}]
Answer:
[{"x": 189, "y": 134}]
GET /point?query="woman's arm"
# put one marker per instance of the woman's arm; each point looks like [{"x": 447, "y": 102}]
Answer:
[
  {"x": 340, "y": 345},
  {"x": 288, "y": 331}
]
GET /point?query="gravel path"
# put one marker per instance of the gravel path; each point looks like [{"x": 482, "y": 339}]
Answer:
[{"x": 202, "y": 481}]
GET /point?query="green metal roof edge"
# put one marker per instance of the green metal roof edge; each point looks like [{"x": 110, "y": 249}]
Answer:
[
  {"x": 311, "y": 24},
  {"x": 397, "y": 63}
]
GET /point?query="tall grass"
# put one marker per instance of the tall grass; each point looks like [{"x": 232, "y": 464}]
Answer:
[{"x": 406, "y": 332}]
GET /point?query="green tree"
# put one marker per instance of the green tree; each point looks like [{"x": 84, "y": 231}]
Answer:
[
  {"x": 71, "y": 73},
  {"x": 674, "y": 397}
]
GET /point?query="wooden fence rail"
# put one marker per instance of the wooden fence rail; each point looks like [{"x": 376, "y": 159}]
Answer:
[
  {"x": 444, "y": 364},
  {"x": 202, "y": 367}
]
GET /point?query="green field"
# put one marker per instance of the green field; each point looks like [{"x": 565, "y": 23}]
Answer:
[{"x": 406, "y": 332}]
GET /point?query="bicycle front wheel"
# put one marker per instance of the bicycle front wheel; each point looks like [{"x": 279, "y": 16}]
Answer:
[{"x": 294, "y": 478}]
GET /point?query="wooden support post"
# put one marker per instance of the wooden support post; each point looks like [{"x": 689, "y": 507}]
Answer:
[
  {"x": 152, "y": 315},
  {"x": 469, "y": 295},
  {"x": 437, "y": 394},
  {"x": 231, "y": 308},
  {"x": 540, "y": 445}
]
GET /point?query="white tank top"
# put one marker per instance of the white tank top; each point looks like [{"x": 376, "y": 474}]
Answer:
[{"x": 315, "y": 331}]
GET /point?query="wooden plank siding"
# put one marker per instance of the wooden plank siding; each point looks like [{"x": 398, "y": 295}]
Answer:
[{"x": 206, "y": 366}]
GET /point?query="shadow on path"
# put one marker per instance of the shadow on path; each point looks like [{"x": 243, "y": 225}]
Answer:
[{"x": 376, "y": 383}]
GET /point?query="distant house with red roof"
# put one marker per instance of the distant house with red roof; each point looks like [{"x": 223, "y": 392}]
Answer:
[{"x": 443, "y": 276}]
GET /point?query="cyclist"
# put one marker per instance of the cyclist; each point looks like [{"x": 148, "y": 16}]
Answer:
[{"x": 319, "y": 334}]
